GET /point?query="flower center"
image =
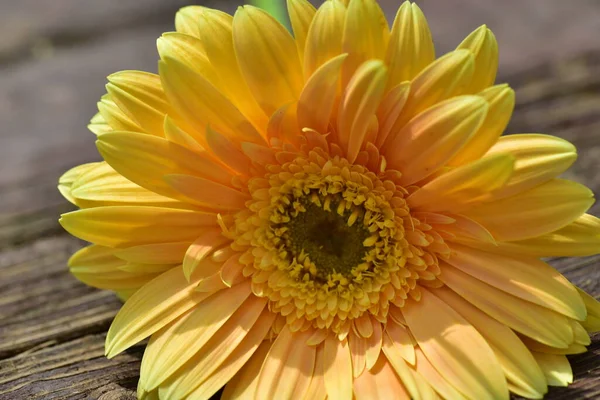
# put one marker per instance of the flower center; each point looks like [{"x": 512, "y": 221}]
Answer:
[
  {"x": 332, "y": 242},
  {"x": 328, "y": 242}
]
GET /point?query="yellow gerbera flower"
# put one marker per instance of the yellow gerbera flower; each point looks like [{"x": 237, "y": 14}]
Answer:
[{"x": 330, "y": 214}]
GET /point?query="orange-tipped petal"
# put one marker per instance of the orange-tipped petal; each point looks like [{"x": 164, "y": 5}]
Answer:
[
  {"x": 324, "y": 38},
  {"x": 338, "y": 369},
  {"x": 268, "y": 61},
  {"x": 189, "y": 334},
  {"x": 525, "y": 277},
  {"x": 301, "y": 14},
  {"x": 318, "y": 97},
  {"x": 535, "y": 321},
  {"x": 538, "y": 158},
  {"x": 482, "y": 43},
  {"x": 151, "y": 308},
  {"x": 366, "y": 36},
  {"x": 517, "y": 362},
  {"x": 125, "y": 226},
  {"x": 464, "y": 185},
  {"x": 501, "y": 102},
  {"x": 430, "y": 139},
  {"x": 411, "y": 46},
  {"x": 455, "y": 348},
  {"x": 538, "y": 211},
  {"x": 359, "y": 105}
]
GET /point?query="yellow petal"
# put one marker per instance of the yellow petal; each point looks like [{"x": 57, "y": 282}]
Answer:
[
  {"x": 318, "y": 97},
  {"x": 214, "y": 353},
  {"x": 65, "y": 182},
  {"x": 592, "y": 322},
  {"x": 501, "y": 101},
  {"x": 144, "y": 395},
  {"x": 358, "y": 348},
  {"x": 202, "y": 104},
  {"x": 465, "y": 228},
  {"x": 145, "y": 160},
  {"x": 573, "y": 348},
  {"x": 537, "y": 322},
  {"x": 366, "y": 35},
  {"x": 261, "y": 155},
  {"x": 411, "y": 47},
  {"x": 402, "y": 340},
  {"x": 324, "y": 38},
  {"x": 124, "y": 226},
  {"x": 443, "y": 79},
  {"x": 160, "y": 253},
  {"x": 212, "y": 283},
  {"x": 543, "y": 209},
  {"x": 301, "y": 14},
  {"x": 413, "y": 382},
  {"x": 97, "y": 266},
  {"x": 338, "y": 369},
  {"x": 359, "y": 104},
  {"x": 115, "y": 117},
  {"x": 464, "y": 185},
  {"x": 556, "y": 368},
  {"x": 125, "y": 294},
  {"x": 151, "y": 308},
  {"x": 140, "y": 96},
  {"x": 363, "y": 326},
  {"x": 581, "y": 335},
  {"x": 98, "y": 125},
  {"x": 232, "y": 271},
  {"x": 539, "y": 158},
  {"x": 390, "y": 108},
  {"x": 578, "y": 239},
  {"x": 190, "y": 334},
  {"x": 482, "y": 43},
  {"x": 243, "y": 384},
  {"x": 433, "y": 377},
  {"x": 524, "y": 277},
  {"x": 189, "y": 51},
  {"x": 381, "y": 382},
  {"x": 287, "y": 368},
  {"x": 517, "y": 362},
  {"x": 229, "y": 154},
  {"x": 216, "y": 32},
  {"x": 429, "y": 140},
  {"x": 316, "y": 388},
  {"x": 203, "y": 246},
  {"x": 175, "y": 134},
  {"x": 455, "y": 348},
  {"x": 141, "y": 268},
  {"x": 283, "y": 125},
  {"x": 207, "y": 193},
  {"x": 268, "y": 58},
  {"x": 103, "y": 186},
  {"x": 373, "y": 345},
  {"x": 251, "y": 348},
  {"x": 186, "y": 20}
]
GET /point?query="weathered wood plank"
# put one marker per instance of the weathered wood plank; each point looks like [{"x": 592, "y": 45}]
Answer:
[
  {"x": 42, "y": 303},
  {"x": 52, "y": 327},
  {"x": 73, "y": 370}
]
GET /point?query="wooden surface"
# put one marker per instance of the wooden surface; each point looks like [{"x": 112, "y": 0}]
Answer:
[{"x": 54, "y": 56}]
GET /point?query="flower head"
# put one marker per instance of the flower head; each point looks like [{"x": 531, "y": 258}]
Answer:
[{"x": 333, "y": 213}]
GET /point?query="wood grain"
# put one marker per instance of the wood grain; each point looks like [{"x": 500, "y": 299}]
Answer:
[{"x": 52, "y": 327}]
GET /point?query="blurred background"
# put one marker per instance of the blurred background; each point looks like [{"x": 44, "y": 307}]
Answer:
[
  {"x": 56, "y": 54},
  {"x": 54, "y": 59}
]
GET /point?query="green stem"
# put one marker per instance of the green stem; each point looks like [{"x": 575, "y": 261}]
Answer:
[{"x": 276, "y": 8}]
